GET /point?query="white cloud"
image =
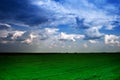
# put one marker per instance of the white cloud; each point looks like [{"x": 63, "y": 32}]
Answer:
[
  {"x": 53, "y": 34},
  {"x": 66, "y": 12},
  {"x": 93, "y": 41},
  {"x": 70, "y": 37},
  {"x": 30, "y": 39},
  {"x": 17, "y": 34},
  {"x": 10, "y": 36},
  {"x": 50, "y": 5},
  {"x": 4, "y": 26},
  {"x": 109, "y": 27},
  {"x": 112, "y": 40},
  {"x": 93, "y": 33},
  {"x": 46, "y": 33},
  {"x": 51, "y": 30}
]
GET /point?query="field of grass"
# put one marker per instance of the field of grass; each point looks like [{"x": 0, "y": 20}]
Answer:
[{"x": 60, "y": 67}]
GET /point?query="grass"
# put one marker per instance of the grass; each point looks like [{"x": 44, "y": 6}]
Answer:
[{"x": 60, "y": 67}]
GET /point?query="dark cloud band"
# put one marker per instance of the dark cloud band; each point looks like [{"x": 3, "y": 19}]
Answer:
[{"x": 13, "y": 11}]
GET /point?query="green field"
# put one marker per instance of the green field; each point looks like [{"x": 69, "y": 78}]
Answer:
[{"x": 60, "y": 67}]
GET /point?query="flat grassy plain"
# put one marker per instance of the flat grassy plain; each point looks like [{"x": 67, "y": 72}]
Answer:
[{"x": 60, "y": 66}]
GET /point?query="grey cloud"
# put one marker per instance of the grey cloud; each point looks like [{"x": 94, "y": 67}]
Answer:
[
  {"x": 17, "y": 47},
  {"x": 43, "y": 36},
  {"x": 4, "y": 26},
  {"x": 16, "y": 36},
  {"x": 81, "y": 23},
  {"x": 15, "y": 11},
  {"x": 93, "y": 33},
  {"x": 87, "y": 37}
]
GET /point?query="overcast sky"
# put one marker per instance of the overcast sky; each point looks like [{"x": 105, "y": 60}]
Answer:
[{"x": 59, "y": 25}]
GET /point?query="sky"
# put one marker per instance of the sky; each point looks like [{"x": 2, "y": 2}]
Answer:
[{"x": 62, "y": 26}]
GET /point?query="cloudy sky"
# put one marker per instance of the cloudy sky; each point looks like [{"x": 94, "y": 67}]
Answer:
[{"x": 59, "y": 25}]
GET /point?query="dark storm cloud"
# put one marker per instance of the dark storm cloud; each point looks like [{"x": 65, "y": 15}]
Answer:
[{"x": 21, "y": 11}]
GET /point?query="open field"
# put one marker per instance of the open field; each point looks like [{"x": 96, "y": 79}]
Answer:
[{"x": 60, "y": 67}]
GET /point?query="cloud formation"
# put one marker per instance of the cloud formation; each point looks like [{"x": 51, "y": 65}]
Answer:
[
  {"x": 23, "y": 12},
  {"x": 112, "y": 40},
  {"x": 8, "y": 36},
  {"x": 93, "y": 41},
  {"x": 52, "y": 12},
  {"x": 4, "y": 26},
  {"x": 60, "y": 23},
  {"x": 93, "y": 33},
  {"x": 70, "y": 37}
]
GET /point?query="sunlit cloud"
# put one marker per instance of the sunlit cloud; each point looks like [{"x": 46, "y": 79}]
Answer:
[
  {"x": 56, "y": 25},
  {"x": 112, "y": 40}
]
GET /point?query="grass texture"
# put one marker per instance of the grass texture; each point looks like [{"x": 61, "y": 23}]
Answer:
[{"x": 60, "y": 67}]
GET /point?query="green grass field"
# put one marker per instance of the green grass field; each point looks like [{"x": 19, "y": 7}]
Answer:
[{"x": 60, "y": 67}]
